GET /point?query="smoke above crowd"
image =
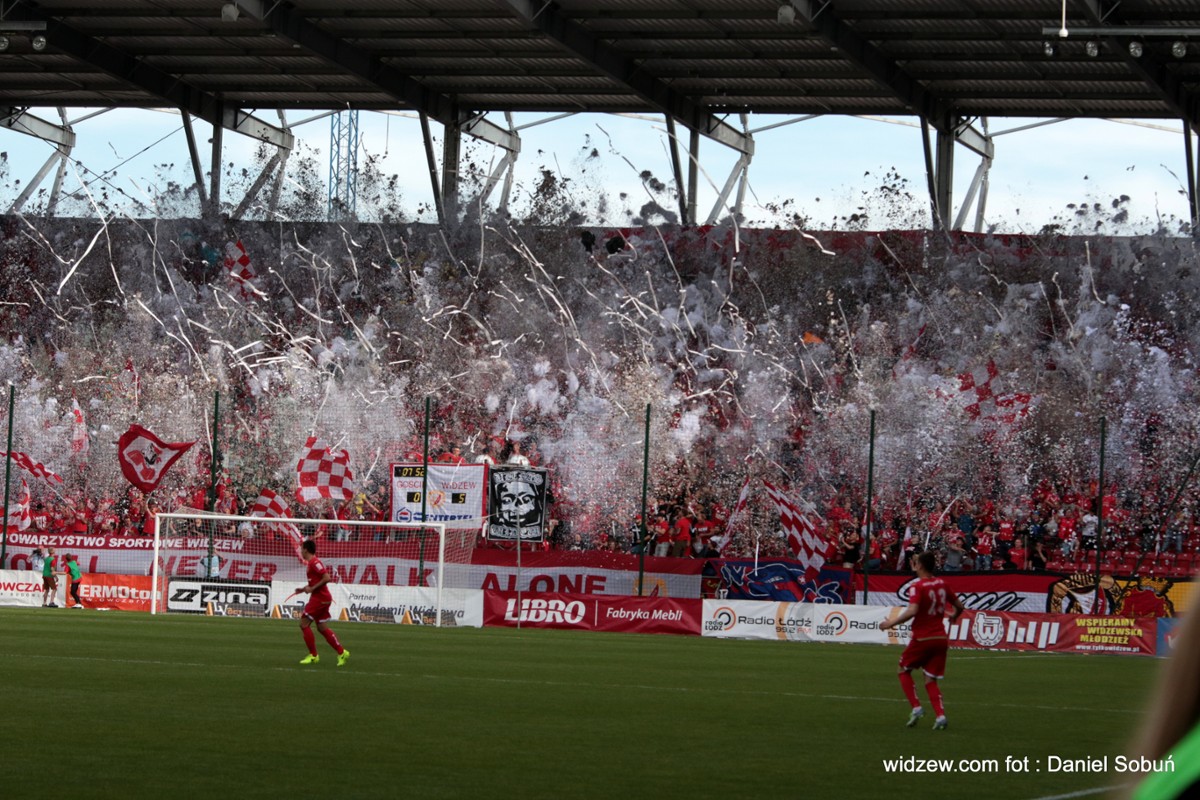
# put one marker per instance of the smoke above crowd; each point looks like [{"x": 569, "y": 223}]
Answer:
[{"x": 987, "y": 360}]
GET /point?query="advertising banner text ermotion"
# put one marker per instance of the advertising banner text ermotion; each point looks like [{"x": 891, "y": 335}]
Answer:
[{"x": 456, "y": 494}]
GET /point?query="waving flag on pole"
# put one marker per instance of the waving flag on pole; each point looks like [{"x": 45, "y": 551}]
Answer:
[
  {"x": 35, "y": 469},
  {"x": 738, "y": 510},
  {"x": 323, "y": 473},
  {"x": 271, "y": 505},
  {"x": 904, "y": 545},
  {"x": 145, "y": 458},
  {"x": 79, "y": 432},
  {"x": 19, "y": 514},
  {"x": 800, "y": 525},
  {"x": 237, "y": 261}
]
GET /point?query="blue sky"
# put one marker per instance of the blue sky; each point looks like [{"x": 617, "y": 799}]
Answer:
[{"x": 828, "y": 167}]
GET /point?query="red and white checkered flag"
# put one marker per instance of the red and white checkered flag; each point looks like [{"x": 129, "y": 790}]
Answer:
[
  {"x": 237, "y": 261},
  {"x": 738, "y": 510},
  {"x": 35, "y": 469},
  {"x": 323, "y": 473},
  {"x": 800, "y": 524},
  {"x": 79, "y": 431},
  {"x": 273, "y": 506},
  {"x": 20, "y": 516}
]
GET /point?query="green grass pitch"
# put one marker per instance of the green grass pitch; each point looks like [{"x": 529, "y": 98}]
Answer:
[{"x": 129, "y": 705}]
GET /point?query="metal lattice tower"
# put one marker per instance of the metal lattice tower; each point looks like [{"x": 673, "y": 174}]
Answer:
[{"x": 343, "y": 165}]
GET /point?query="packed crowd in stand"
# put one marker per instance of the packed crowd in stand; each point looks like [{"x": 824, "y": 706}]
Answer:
[{"x": 1056, "y": 528}]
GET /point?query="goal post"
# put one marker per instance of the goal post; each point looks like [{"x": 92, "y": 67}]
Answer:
[{"x": 248, "y": 566}]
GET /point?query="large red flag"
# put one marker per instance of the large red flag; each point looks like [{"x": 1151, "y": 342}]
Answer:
[{"x": 145, "y": 458}]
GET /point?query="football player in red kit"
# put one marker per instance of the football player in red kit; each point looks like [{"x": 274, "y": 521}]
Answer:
[
  {"x": 928, "y": 600},
  {"x": 317, "y": 608}
]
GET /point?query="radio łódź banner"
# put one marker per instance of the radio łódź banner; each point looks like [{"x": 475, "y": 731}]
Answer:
[
  {"x": 517, "y": 504},
  {"x": 456, "y": 494},
  {"x": 831, "y": 622}
]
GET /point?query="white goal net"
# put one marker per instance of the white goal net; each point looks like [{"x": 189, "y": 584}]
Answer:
[{"x": 250, "y": 566}]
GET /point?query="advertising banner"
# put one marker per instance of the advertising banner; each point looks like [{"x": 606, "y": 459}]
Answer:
[
  {"x": 781, "y": 580},
  {"x": 517, "y": 504},
  {"x": 1059, "y": 633},
  {"x": 1043, "y": 592},
  {"x": 218, "y": 597},
  {"x": 21, "y": 587},
  {"x": 798, "y": 622},
  {"x": 114, "y": 592},
  {"x": 814, "y": 622},
  {"x": 592, "y": 613},
  {"x": 585, "y": 572},
  {"x": 407, "y": 605},
  {"x": 457, "y": 494}
]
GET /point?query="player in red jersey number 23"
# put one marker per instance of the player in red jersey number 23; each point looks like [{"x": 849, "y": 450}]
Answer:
[
  {"x": 928, "y": 601},
  {"x": 317, "y": 608}
]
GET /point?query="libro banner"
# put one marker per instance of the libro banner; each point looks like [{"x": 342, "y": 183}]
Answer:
[{"x": 593, "y": 613}]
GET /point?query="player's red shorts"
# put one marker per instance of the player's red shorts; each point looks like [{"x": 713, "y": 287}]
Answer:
[
  {"x": 317, "y": 609},
  {"x": 927, "y": 654}
]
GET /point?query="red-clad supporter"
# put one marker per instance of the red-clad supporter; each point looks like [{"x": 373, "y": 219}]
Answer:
[
  {"x": 875, "y": 554},
  {"x": 662, "y": 535},
  {"x": 1068, "y": 532},
  {"x": 1006, "y": 532},
  {"x": 984, "y": 545},
  {"x": 83, "y": 517},
  {"x": 1018, "y": 556},
  {"x": 41, "y": 518},
  {"x": 703, "y": 529},
  {"x": 150, "y": 521},
  {"x": 452, "y": 456},
  {"x": 198, "y": 499},
  {"x": 831, "y": 551},
  {"x": 62, "y": 518},
  {"x": 681, "y": 534}
]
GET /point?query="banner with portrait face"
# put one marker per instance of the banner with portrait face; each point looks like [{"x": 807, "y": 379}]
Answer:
[{"x": 517, "y": 504}]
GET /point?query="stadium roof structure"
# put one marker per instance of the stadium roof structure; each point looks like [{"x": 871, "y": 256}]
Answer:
[{"x": 707, "y": 66}]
